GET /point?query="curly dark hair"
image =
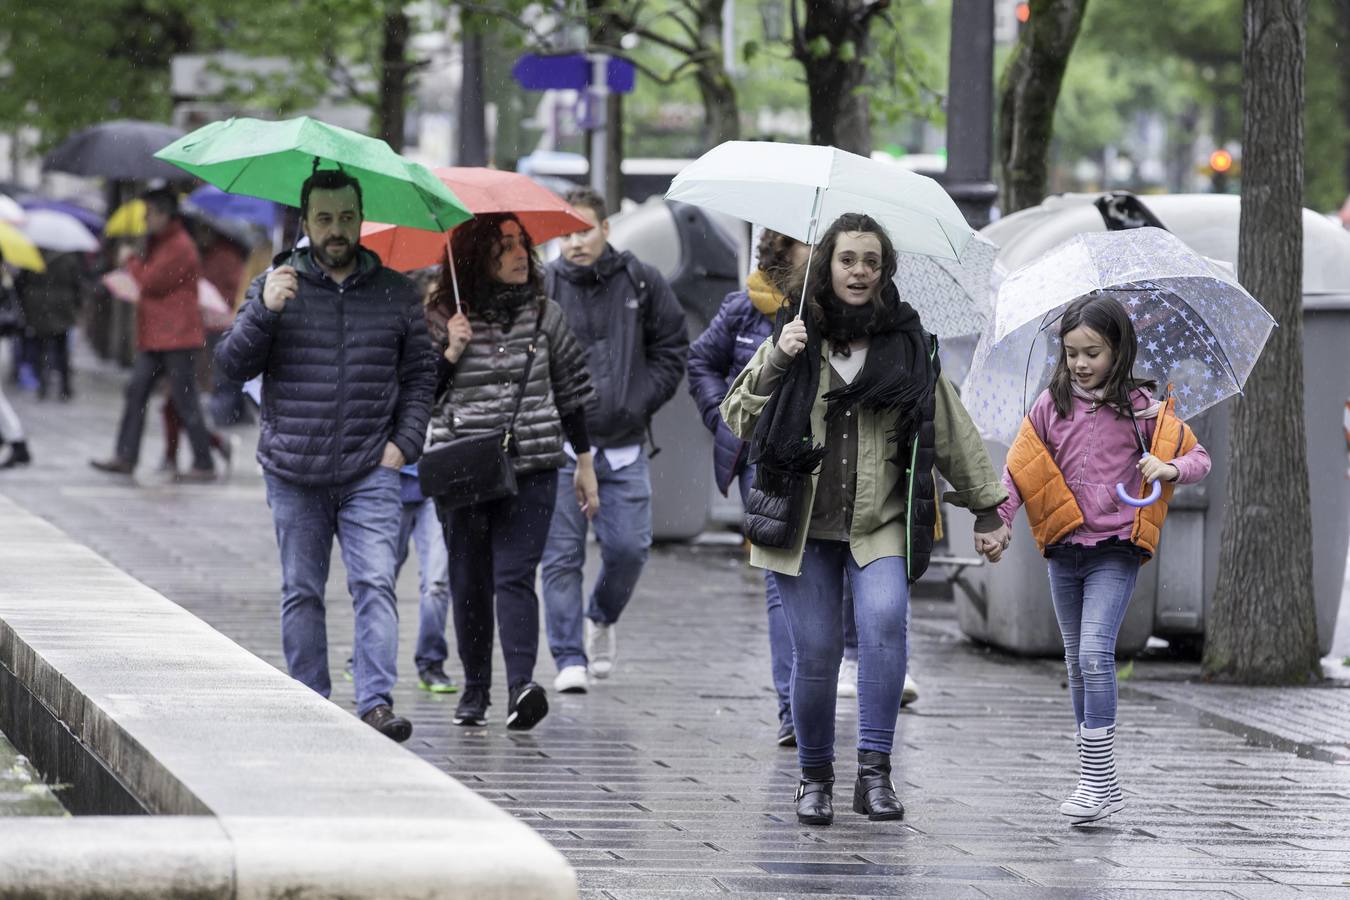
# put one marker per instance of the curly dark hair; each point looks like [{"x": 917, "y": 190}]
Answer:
[
  {"x": 477, "y": 246},
  {"x": 775, "y": 258},
  {"x": 820, "y": 284}
]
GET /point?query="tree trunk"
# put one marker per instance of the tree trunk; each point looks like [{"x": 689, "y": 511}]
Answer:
[
  {"x": 1343, "y": 48},
  {"x": 472, "y": 147},
  {"x": 1262, "y": 624},
  {"x": 721, "y": 114},
  {"x": 1029, "y": 92},
  {"x": 831, "y": 45},
  {"x": 394, "y": 70}
]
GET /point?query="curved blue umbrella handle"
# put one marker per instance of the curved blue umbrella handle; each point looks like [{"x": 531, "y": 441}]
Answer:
[{"x": 1152, "y": 497}]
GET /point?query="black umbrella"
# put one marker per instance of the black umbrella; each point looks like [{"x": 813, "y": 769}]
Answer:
[{"x": 123, "y": 149}]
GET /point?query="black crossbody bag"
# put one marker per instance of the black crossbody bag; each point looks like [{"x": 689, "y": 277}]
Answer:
[{"x": 476, "y": 468}]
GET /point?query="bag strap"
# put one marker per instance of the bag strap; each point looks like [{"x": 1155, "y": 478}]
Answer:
[{"x": 509, "y": 438}]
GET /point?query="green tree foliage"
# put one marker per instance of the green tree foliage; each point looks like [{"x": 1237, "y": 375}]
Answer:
[{"x": 66, "y": 66}]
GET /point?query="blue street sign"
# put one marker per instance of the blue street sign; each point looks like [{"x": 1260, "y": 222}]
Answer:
[{"x": 571, "y": 72}]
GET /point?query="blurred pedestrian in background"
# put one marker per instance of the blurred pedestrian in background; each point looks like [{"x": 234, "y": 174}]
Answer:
[
  {"x": 169, "y": 334},
  {"x": 51, "y": 302}
]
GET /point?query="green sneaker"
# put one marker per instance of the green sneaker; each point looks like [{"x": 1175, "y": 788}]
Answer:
[
  {"x": 347, "y": 669},
  {"x": 434, "y": 679}
]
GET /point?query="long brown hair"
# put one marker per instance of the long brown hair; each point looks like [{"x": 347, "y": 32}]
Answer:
[
  {"x": 477, "y": 246},
  {"x": 1108, "y": 318}
]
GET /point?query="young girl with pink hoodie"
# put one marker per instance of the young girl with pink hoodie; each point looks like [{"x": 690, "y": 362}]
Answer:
[{"x": 1085, "y": 434}]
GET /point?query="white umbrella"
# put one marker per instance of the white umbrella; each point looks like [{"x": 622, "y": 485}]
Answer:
[
  {"x": 58, "y": 231},
  {"x": 798, "y": 190},
  {"x": 954, "y": 298},
  {"x": 11, "y": 211}
]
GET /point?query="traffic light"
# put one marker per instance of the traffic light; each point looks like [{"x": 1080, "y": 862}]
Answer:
[
  {"x": 1220, "y": 170},
  {"x": 1023, "y": 13}
]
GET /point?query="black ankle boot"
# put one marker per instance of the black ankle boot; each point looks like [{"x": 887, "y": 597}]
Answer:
[
  {"x": 18, "y": 455},
  {"x": 874, "y": 795},
  {"x": 815, "y": 796}
]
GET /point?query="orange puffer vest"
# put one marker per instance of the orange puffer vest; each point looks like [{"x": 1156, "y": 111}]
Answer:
[{"x": 1052, "y": 509}]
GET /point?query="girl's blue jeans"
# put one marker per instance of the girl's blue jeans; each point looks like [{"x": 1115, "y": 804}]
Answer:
[
  {"x": 1091, "y": 589},
  {"x": 814, "y": 604}
]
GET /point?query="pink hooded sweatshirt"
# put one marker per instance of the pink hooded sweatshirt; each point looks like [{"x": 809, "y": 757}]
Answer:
[{"x": 1094, "y": 451}]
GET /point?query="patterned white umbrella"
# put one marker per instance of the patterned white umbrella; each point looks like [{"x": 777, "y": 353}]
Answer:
[
  {"x": 954, "y": 298},
  {"x": 1198, "y": 329}
]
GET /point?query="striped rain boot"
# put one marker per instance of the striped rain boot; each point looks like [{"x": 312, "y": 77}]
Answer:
[{"x": 1098, "y": 793}]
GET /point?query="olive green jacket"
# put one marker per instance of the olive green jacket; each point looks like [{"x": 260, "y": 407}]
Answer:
[{"x": 878, "y": 528}]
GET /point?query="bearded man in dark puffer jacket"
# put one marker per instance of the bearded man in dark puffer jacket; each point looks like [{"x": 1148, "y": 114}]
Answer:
[{"x": 348, "y": 375}]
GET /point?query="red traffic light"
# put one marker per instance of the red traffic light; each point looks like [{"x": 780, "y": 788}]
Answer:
[
  {"x": 1221, "y": 161},
  {"x": 1023, "y": 13}
]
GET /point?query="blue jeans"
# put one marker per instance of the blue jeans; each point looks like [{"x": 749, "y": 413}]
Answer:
[
  {"x": 364, "y": 516},
  {"x": 494, "y": 554},
  {"x": 422, "y": 526},
  {"x": 814, "y": 603},
  {"x": 623, "y": 527},
  {"x": 1091, "y": 589},
  {"x": 780, "y": 639}
]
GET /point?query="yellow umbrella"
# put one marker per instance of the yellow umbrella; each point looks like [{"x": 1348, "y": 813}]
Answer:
[
  {"x": 128, "y": 220},
  {"x": 18, "y": 250}
]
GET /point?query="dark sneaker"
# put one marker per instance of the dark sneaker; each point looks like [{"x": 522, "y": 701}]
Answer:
[
  {"x": 113, "y": 466},
  {"x": 434, "y": 679},
  {"x": 527, "y": 707},
  {"x": 473, "y": 706},
  {"x": 383, "y": 720},
  {"x": 787, "y": 735}
]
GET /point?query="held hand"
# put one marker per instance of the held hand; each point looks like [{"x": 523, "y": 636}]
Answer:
[
  {"x": 459, "y": 332},
  {"x": 587, "y": 486},
  {"x": 280, "y": 286},
  {"x": 124, "y": 253},
  {"x": 393, "y": 457},
  {"x": 1154, "y": 469},
  {"x": 992, "y": 544},
  {"x": 793, "y": 338}
]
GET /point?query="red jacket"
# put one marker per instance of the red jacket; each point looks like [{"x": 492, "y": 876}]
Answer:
[{"x": 168, "y": 317}]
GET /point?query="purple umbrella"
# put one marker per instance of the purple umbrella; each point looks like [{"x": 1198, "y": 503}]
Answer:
[{"x": 90, "y": 219}]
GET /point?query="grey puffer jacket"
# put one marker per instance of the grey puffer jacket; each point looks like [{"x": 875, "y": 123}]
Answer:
[{"x": 483, "y": 385}]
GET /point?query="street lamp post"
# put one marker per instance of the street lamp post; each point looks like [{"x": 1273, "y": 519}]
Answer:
[{"x": 970, "y": 110}]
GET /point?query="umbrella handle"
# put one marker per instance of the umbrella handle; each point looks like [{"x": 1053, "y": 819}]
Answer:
[{"x": 1152, "y": 497}]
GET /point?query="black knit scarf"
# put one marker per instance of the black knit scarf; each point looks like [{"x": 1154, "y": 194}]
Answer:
[
  {"x": 895, "y": 378},
  {"x": 505, "y": 301}
]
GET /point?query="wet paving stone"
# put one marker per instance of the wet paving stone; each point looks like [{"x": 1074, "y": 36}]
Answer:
[{"x": 665, "y": 781}]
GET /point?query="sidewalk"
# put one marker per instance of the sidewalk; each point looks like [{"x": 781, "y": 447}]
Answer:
[{"x": 665, "y": 780}]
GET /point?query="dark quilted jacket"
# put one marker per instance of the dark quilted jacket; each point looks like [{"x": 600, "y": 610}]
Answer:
[
  {"x": 483, "y": 385},
  {"x": 346, "y": 369},
  {"x": 715, "y": 359}
]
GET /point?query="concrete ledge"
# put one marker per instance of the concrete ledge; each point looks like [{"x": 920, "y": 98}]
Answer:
[{"x": 249, "y": 773}]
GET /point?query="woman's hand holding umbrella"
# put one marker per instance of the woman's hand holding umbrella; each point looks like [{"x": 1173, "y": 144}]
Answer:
[
  {"x": 793, "y": 338},
  {"x": 458, "y": 334}
]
